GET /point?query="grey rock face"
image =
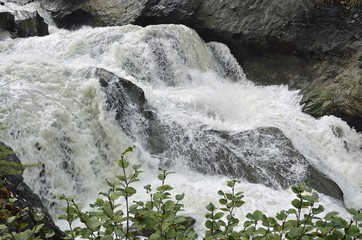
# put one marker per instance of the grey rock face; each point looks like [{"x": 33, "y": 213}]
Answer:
[{"x": 309, "y": 46}]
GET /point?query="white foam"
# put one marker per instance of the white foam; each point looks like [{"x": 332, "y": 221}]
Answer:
[{"x": 57, "y": 114}]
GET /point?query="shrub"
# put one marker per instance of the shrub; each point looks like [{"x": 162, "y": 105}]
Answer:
[{"x": 158, "y": 218}]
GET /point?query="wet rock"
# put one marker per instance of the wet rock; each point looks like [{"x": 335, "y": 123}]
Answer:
[
  {"x": 7, "y": 21},
  {"x": 263, "y": 155},
  {"x": 133, "y": 92},
  {"x": 168, "y": 11},
  {"x": 67, "y": 13},
  {"x": 26, "y": 198},
  {"x": 22, "y": 23},
  {"x": 29, "y": 24},
  {"x": 127, "y": 101}
]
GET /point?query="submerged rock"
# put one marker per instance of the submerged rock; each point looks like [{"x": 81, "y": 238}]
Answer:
[
  {"x": 26, "y": 198},
  {"x": 263, "y": 155}
]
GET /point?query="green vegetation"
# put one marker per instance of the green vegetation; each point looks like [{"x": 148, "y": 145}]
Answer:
[
  {"x": 115, "y": 216},
  {"x": 351, "y": 3},
  {"x": 159, "y": 217}
]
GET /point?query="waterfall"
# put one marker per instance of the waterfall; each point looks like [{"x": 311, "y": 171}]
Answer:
[{"x": 57, "y": 114}]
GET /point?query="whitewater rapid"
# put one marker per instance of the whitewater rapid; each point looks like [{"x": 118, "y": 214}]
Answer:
[{"x": 56, "y": 113}]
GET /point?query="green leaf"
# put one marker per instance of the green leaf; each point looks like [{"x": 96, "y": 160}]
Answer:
[
  {"x": 246, "y": 224},
  {"x": 123, "y": 163},
  {"x": 37, "y": 228},
  {"x": 108, "y": 210},
  {"x": 318, "y": 210},
  {"x": 352, "y": 211},
  {"x": 223, "y": 201},
  {"x": 49, "y": 234},
  {"x": 162, "y": 176},
  {"x": 85, "y": 233},
  {"x": 148, "y": 188},
  {"x": 3, "y": 227},
  {"x": 297, "y": 203},
  {"x": 169, "y": 205},
  {"x": 93, "y": 224},
  {"x": 210, "y": 207},
  {"x": 339, "y": 222},
  {"x": 219, "y": 215},
  {"x": 329, "y": 216},
  {"x": 136, "y": 167},
  {"x": 107, "y": 237},
  {"x": 22, "y": 235},
  {"x": 260, "y": 231},
  {"x": 208, "y": 224},
  {"x": 281, "y": 215},
  {"x": 353, "y": 231},
  {"x": 155, "y": 236},
  {"x": 11, "y": 219},
  {"x": 179, "y": 197},
  {"x": 258, "y": 215},
  {"x": 296, "y": 189},
  {"x": 130, "y": 191},
  {"x": 358, "y": 217},
  {"x": 129, "y": 149},
  {"x": 250, "y": 216}
]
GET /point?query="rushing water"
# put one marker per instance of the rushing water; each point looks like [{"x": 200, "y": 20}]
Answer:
[{"x": 56, "y": 113}]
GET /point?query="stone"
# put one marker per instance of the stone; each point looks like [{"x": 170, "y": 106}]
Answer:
[
  {"x": 127, "y": 101},
  {"x": 29, "y": 24},
  {"x": 7, "y": 21}
]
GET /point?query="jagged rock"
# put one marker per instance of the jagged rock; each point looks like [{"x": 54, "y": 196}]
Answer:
[
  {"x": 129, "y": 92},
  {"x": 263, "y": 155},
  {"x": 26, "y": 198},
  {"x": 29, "y": 24},
  {"x": 7, "y": 21},
  {"x": 22, "y": 23},
  {"x": 131, "y": 110}
]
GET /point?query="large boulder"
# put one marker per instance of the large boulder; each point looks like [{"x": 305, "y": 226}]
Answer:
[{"x": 26, "y": 198}]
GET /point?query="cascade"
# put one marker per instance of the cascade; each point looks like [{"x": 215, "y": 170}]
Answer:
[{"x": 59, "y": 115}]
